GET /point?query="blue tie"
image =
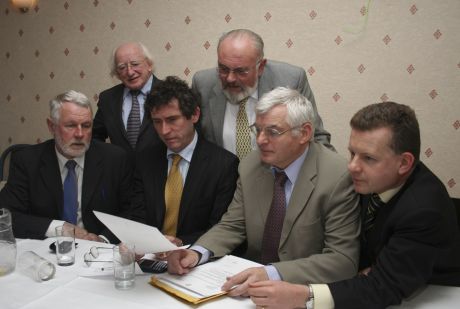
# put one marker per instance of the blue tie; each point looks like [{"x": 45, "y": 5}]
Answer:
[{"x": 70, "y": 194}]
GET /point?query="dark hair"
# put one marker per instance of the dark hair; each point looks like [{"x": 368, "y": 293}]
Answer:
[
  {"x": 172, "y": 87},
  {"x": 399, "y": 118}
]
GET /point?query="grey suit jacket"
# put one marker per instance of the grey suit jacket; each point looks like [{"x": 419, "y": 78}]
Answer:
[
  {"x": 320, "y": 237},
  {"x": 276, "y": 74}
]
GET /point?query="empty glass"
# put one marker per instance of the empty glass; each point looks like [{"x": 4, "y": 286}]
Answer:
[
  {"x": 35, "y": 266},
  {"x": 7, "y": 243},
  {"x": 123, "y": 266}
]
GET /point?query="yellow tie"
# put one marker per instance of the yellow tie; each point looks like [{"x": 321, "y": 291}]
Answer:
[
  {"x": 173, "y": 194},
  {"x": 243, "y": 137}
]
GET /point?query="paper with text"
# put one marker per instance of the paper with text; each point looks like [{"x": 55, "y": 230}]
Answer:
[{"x": 206, "y": 280}]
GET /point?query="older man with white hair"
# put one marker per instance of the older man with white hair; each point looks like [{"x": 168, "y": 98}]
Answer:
[{"x": 61, "y": 181}]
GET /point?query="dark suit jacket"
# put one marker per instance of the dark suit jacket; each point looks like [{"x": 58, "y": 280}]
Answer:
[
  {"x": 208, "y": 188},
  {"x": 414, "y": 241},
  {"x": 276, "y": 74},
  {"x": 34, "y": 192},
  {"x": 108, "y": 121}
]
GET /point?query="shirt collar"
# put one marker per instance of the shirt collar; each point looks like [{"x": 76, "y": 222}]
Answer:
[
  {"x": 63, "y": 160},
  {"x": 187, "y": 152},
  {"x": 293, "y": 169},
  {"x": 387, "y": 195},
  {"x": 144, "y": 90}
]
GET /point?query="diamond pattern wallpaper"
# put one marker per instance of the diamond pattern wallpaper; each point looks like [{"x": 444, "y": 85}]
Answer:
[{"x": 355, "y": 53}]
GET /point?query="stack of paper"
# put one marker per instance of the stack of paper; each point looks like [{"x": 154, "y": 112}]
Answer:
[{"x": 203, "y": 282}]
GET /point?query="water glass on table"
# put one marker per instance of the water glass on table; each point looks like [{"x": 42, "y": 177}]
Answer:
[
  {"x": 35, "y": 266},
  {"x": 65, "y": 245},
  {"x": 123, "y": 266}
]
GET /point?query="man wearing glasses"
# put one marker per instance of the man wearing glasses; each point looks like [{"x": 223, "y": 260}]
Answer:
[
  {"x": 230, "y": 92},
  {"x": 120, "y": 114},
  {"x": 294, "y": 204}
]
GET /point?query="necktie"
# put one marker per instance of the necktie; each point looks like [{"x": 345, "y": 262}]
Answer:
[
  {"x": 134, "y": 119},
  {"x": 243, "y": 137},
  {"x": 375, "y": 203},
  {"x": 173, "y": 194},
  {"x": 274, "y": 222},
  {"x": 70, "y": 194}
]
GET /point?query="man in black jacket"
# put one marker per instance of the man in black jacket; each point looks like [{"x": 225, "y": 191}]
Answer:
[
  {"x": 120, "y": 115},
  {"x": 36, "y": 188}
]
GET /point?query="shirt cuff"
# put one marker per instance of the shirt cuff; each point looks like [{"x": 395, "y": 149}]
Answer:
[
  {"x": 205, "y": 253},
  {"x": 323, "y": 297},
  {"x": 51, "y": 232},
  {"x": 272, "y": 272}
]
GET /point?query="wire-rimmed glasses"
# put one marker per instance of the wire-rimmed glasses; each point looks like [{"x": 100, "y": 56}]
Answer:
[
  {"x": 270, "y": 132},
  {"x": 240, "y": 72},
  {"x": 92, "y": 255}
]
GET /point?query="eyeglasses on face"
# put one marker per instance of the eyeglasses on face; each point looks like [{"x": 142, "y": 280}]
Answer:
[
  {"x": 240, "y": 72},
  {"x": 270, "y": 132},
  {"x": 122, "y": 67},
  {"x": 93, "y": 254}
]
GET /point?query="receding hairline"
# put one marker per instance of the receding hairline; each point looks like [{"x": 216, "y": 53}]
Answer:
[{"x": 244, "y": 34}]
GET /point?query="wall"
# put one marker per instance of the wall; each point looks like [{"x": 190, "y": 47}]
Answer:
[{"x": 355, "y": 52}]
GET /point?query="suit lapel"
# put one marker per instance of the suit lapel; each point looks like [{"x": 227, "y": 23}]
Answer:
[
  {"x": 118, "y": 109},
  {"x": 217, "y": 106},
  {"x": 91, "y": 176},
  {"x": 51, "y": 175},
  {"x": 301, "y": 193},
  {"x": 146, "y": 120},
  {"x": 159, "y": 169},
  {"x": 264, "y": 192},
  {"x": 266, "y": 83},
  {"x": 193, "y": 180}
]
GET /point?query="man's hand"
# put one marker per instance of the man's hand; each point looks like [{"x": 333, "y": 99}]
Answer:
[
  {"x": 164, "y": 255},
  {"x": 81, "y": 233},
  {"x": 278, "y": 294},
  {"x": 181, "y": 261},
  {"x": 243, "y": 279}
]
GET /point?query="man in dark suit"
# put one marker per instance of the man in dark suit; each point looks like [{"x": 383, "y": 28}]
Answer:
[
  {"x": 409, "y": 229},
  {"x": 244, "y": 75},
  {"x": 207, "y": 172},
  {"x": 35, "y": 191},
  {"x": 133, "y": 65}
]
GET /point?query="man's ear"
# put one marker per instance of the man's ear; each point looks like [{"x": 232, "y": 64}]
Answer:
[
  {"x": 50, "y": 124},
  {"x": 307, "y": 132},
  {"x": 196, "y": 115},
  {"x": 407, "y": 163},
  {"x": 261, "y": 67}
]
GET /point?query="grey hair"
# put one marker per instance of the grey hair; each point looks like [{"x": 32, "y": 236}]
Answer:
[
  {"x": 70, "y": 96},
  {"x": 299, "y": 109},
  {"x": 239, "y": 33},
  {"x": 143, "y": 48}
]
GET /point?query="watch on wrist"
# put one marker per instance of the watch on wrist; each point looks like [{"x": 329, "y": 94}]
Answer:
[{"x": 311, "y": 298}]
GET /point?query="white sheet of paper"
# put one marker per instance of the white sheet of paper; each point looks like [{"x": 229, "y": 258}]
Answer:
[
  {"x": 146, "y": 238},
  {"x": 207, "y": 279}
]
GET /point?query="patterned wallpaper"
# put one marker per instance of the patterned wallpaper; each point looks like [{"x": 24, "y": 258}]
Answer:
[{"x": 355, "y": 52}]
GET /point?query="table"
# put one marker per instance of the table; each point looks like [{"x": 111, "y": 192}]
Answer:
[{"x": 67, "y": 290}]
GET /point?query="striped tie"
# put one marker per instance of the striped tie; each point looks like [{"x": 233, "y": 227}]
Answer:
[
  {"x": 375, "y": 203},
  {"x": 243, "y": 136},
  {"x": 134, "y": 119}
]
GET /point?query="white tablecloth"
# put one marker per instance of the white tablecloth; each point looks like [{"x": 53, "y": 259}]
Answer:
[{"x": 67, "y": 290}]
